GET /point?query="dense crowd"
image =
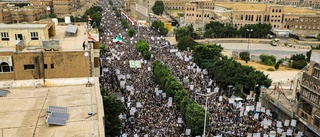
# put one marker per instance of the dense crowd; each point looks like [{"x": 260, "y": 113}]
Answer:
[{"x": 148, "y": 112}]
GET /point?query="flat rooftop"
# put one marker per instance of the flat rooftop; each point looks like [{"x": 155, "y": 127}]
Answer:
[
  {"x": 23, "y": 111},
  {"x": 71, "y": 42},
  {"x": 22, "y": 26}
]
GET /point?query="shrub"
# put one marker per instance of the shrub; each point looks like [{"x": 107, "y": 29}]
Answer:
[
  {"x": 146, "y": 54},
  {"x": 269, "y": 60},
  {"x": 245, "y": 56}
]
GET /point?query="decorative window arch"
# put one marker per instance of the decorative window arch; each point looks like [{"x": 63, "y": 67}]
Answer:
[
  {"x": 4, "y": 67},
  {"x": 314, "y": 88},
  {"x": 316, "y": 71},
  {"x": 306, "y": 83}
]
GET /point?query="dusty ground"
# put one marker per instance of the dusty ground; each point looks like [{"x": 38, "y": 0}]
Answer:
[
  {"x": 260, "y": 66},
  {"x": 254, "y": 6}
]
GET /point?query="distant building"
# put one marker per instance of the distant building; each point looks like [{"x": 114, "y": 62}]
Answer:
[
  {"x": 198, "y": 12},
  {"x": 63, "y": 7},
  {"x": 11, "y": 14}
]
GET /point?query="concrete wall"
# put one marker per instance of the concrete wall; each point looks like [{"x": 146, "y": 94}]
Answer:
[
  {"x": 46, "y": 82},
  {"x": 234, "y": 40}
]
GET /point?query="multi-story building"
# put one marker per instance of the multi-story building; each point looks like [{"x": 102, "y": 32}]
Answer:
[
  {"x": 311, "y": 3},
  {"x": 12, "y": 14},
  {"x": 309, "y": 98},
  {"x": 271, "y": 14},
  {"x": 63, "y": 7},
  {"x": 181, "y": 4},
  {"x": 304, "y": 22},
  {"x": 15, "y": 1},
  {"x": 199, "y": 12},
  {"x": 35, "y": 51}
]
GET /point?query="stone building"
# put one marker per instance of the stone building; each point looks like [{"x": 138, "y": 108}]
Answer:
[
  {"x": 63, "y": 8},
  {"x": 309, "y": 95},
  {"x": 44, "y": 51},
  {"x": 12, "y": 14},
  {"x": 271, "y": 14},
  {"x": 199, "y": 12},
  {"x": 304, "y": 22}
]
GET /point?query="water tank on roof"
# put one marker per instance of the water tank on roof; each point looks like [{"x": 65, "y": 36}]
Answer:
[
  {"x": 67, "y": 20},
  {"x": 55, "y": 20}
]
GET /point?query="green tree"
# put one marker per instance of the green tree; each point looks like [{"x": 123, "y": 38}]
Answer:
[
  {"x": 194, "y": 118},
  {"x": 158, "y": 8},
  {"x": 237, "y": 90},
  {"x": 269, "y": 60},
  {"x": 179, "y": 95},
  {"x": 277, "y": 65},
  {"x": 142, "y": 46},
  {"x": 131, "y": 32},
  {"x": 184, "y": 31},
  {"x": 113, "y": 109},
  {"x": 146, "y": 55},
  {"x": 318, "y": 36},
  {"x": 186, "y": 42},
  {"x": 163, "y": 31},
  {"x": 245, "y": 56},
  {"x": 205, "y": 52},
  {"x": 157, "y": 24},
  {"x": 124, "y": 23}
]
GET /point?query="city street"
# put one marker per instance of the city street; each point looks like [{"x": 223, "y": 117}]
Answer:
[{"x": 257, "y": 49}]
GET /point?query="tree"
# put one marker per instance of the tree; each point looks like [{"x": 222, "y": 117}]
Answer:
[
  {"x": 318, "y": 36},
  {"x": 158, "y": 8},
  {"x": 131, "y": 32},
  {"x": 245, "y": 56},
  {"x": 157, "y": 24},
  {"x": 179, "y": 95},
  {"x": 163, "y": 31},
  {"x": 146, "y": 55},
  {"x": 186, "y": 42},
  {"x": 184, "y": 31},
  {"x": 205, "y": 52},
  {"x": 113, "y": 109},
  {"x": 269, "y": 60},
  {"x": 277, "y": 65},
  {"x": 194, "y": 118}
]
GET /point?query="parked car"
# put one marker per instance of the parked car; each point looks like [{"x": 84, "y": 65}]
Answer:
[
  {"x": 273, "y": 43},
  {"x": 288, "y": 44}
]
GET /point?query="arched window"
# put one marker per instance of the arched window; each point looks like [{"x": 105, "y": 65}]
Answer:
[
  {"x": 314, "y": 88},
  {"x": 316, "y": 71},
  {"x": 306, "y": 83},
  {"x": 4, "y": 67}
]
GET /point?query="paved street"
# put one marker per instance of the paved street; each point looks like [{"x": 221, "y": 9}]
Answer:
[{"x": 258, "y": 49}]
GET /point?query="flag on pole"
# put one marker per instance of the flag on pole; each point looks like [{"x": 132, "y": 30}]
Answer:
[{"x": 90, "y": 39}]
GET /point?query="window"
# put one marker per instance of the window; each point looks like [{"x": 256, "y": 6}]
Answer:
[
  {"x": 19, "y": 37},
  {"x": 5, "y": 36},
  {"x": 316, "y": 121},
  {"x": 52, "y": 66},
  {"x": 28, "y": 67},
  {"x": 45, "y": 66},
  {"x": 316, "y": 71},
  {"x": 4, "y": 67},
  {"x": 34, "y": 36}
]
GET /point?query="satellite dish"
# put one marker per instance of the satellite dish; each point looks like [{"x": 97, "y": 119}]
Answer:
[
  {"x": 86, "y": 54},
  {"x": 48, "y": 8}
]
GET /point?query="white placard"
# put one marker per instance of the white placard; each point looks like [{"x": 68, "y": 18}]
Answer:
[
  {"x": 188, "y": 132},
  {"x": 122, "y": 84},
  {"x": 245, "y": 113},
  {"x": 191, "y": 87},
  {"x": 256, "y": 134},
  {"x": 145, "y": 135},
  {"x": 269, "y": 122},
  {"x": 117, "y": 71},
  {"x": 263, "y": 109},
  {"x": 247, "y": 108},
  {"x": 279, "y": 130},
  {"x": 256, "y": 116},
  {"x": 136, "y": 135},
  {"x": 149, "y": 68},
  {"x": 170, "y": 102},
  {"x": 286, "y": 122},
  {"x": 249, "y": 135},
  {"x": 179, "y": 120},
  {"x": 241, "y": 113},
  {"x": 156, "y": 89},
  {"x": 139, "y": 105},
  {"x": 188, "y": 67},
  {"x": 293, "y": 122},
  {"x": 132, "y": 92},
  {"x": 208, "y": 90},
  {"x": 220, "y": 98},
  {"x": 284, "y": 134},
  {"x": 164, "y": 95},
  {"x": 258, "y": 109},
  {"x": 279, "y": 124},
  {"x": 289, "y": 132},
  {"x": 231, "y": 100},
  {"x": 258, "y": 104},
  {"x": 251, "y": 108}
]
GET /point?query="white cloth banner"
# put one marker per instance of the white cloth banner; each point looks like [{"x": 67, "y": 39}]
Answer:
[
  {"x": 293, "y": 122},
  {"x": 279, "y": 124}
]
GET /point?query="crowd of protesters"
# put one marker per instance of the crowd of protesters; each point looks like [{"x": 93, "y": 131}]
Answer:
[{"x": 147, "y": 110}]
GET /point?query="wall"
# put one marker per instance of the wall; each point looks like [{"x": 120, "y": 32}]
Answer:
[{"x": 58, "y": 65}]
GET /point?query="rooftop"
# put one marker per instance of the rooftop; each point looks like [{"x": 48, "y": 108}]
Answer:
[
  {"x": 23, "y": 110},
  {"x": 22, "y": 26}
]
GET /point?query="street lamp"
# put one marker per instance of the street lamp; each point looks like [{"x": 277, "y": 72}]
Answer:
[
  {"x": 206, "y": 109},
  {"x": 249, "y": 30}
]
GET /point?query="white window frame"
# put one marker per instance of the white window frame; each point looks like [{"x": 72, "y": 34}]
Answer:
[
  {"x": 5, "y": 36},
  {"x": 34, "y": 35}
]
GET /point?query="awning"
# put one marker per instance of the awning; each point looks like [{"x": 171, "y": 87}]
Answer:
[{"x": 72, "y": 29}]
